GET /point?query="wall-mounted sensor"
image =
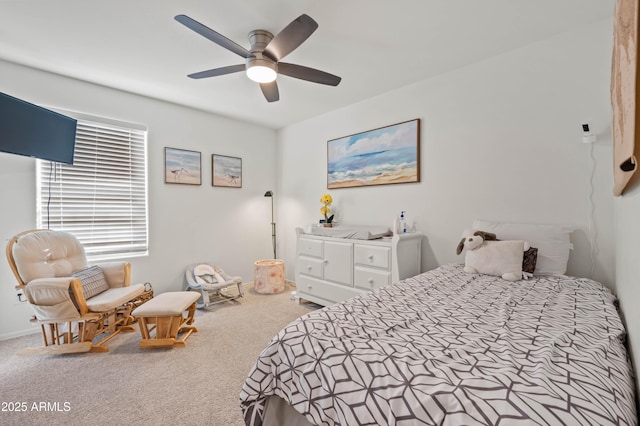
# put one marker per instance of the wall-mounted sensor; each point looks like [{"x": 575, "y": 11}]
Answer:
[{"x": 587, "y": 136}]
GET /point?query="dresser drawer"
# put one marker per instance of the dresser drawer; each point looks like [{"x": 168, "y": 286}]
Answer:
[
  {"x": 372, "y": 256},
  {"x": 324, "y": 290},
  {"x": 310, "y": 247},
  {"x": 371, "y": 279},
  {"x": 309, "y": 266}
]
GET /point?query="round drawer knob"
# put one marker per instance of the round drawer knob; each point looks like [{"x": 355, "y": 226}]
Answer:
[
  {"x": 370, "y": 280},
  {"x": 309, "y": 287},
  {"x": 370, "y": 257},
  {"x": 309, "y": 267}
]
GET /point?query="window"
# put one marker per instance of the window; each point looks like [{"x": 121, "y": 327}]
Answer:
[{"x": 102, "y": 197}]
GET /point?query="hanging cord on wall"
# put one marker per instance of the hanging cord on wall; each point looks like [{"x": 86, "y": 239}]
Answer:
[
  {"x": 53, "y": 170},
  {"x": 51, "y": 167},
  {"x": 593, "y": 232}
]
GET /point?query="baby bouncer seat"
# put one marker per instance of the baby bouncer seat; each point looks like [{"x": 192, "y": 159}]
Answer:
[{"x": 212, "y": 283}]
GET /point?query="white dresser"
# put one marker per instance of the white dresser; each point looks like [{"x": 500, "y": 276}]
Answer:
[{"x": 330, "y": 269}]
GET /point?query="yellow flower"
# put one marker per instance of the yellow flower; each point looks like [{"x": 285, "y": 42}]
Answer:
[{"x": 326, "y": 201}]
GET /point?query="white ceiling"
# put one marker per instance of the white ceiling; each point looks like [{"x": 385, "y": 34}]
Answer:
[{"x": 374, "y": 45}]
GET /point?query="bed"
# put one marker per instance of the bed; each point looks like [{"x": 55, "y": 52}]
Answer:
[{"x": 450, "y": 348}]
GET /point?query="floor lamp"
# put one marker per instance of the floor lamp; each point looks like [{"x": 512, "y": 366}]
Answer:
[{"x": 273, "y": 224}]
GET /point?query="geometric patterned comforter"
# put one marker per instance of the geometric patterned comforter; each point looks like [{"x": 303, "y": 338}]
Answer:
[{"x": 451, "y": 348}]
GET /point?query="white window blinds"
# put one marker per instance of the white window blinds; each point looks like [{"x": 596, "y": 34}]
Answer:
[{"x": 102, "y": 197}]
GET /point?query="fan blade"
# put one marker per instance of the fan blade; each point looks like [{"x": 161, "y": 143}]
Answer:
[
  {"x": 309, "y": 74},
  {"x": 291, "y": 37},
  {"x": 212, "y": 35},
  {"x": 270, "y": 91},
  {"x": 218, "y": 71}
]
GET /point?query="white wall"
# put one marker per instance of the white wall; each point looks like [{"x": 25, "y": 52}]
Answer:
[
  {"x": 187, "y": 223},
  {"x": 501, "y": 139}
]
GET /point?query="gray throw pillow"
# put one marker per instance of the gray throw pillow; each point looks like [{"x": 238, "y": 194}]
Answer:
[{"x": 93, "y": 281}]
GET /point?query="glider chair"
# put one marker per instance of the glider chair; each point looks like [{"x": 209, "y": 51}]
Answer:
[
  {"x": 79, "y": 308},
  {"x": 210, "y": 281}
]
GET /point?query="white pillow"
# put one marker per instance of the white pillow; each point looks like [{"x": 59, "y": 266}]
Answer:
[{"x": 552, "y": 242}]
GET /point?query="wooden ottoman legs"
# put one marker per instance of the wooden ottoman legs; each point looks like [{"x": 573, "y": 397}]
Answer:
[{"x": 165, "y": 315}]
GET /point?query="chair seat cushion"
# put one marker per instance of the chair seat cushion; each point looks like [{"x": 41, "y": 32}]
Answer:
[
  {"x": 114, "y": 297},
  {"x": 93, "y": 281},
  {"x": 167, "y": 304}
]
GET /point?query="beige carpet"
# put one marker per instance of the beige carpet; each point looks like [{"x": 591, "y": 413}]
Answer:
[{"x": 195, "y": 385}]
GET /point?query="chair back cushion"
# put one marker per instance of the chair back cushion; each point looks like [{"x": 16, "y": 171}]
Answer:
[{"x": 48, "y": 254}]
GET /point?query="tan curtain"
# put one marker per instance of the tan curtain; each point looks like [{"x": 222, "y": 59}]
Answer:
[{"x": 624, "y": 92}]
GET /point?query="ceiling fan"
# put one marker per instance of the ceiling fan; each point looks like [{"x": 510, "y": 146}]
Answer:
[{"x": 262, "y": 61}]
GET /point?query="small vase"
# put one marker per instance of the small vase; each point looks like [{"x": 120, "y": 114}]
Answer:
[{"x": 328, "y": 225}]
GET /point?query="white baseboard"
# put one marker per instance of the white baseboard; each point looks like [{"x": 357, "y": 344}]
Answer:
[{"x": 25, "y": 332}]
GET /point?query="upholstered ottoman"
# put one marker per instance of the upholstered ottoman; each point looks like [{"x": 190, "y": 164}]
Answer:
[{"x": 169, "y": 314}]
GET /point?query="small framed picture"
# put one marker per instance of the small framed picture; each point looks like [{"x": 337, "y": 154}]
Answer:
[
  {"x": 182, "y": 166},
  {"x": 226, "y": 171}
]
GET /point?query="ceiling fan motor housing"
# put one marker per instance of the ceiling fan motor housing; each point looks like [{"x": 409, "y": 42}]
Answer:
[
  {"x": 259, "y": 40},
  {"x": 261, "y": 61}
]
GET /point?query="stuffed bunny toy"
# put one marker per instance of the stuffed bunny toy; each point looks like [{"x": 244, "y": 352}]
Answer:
[{"x": 486, "y": 255}]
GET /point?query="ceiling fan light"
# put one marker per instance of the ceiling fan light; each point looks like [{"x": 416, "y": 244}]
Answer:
[{"x": 261, "y": 74}]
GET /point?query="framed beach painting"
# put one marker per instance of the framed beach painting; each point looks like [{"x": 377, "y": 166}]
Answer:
[
  {"x": 226, "y": 171},
  {"x": 381, "y": 156},
  {"x": 182, "y": 166}
]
